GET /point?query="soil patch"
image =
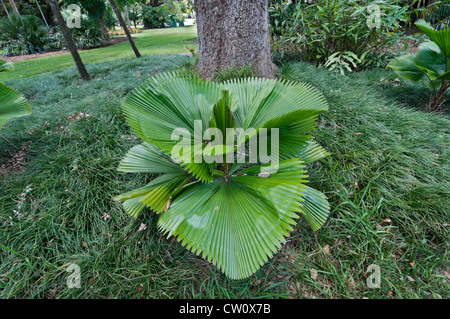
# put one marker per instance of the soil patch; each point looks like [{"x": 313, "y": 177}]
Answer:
[{"x": 17, "y": 162}]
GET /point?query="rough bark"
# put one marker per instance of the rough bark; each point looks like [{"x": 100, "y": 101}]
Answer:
[
  {"x": 438, "y": 99},
  {"x": 68, "y": 38},
  {"x": 233, "y": 34},
  {"x": 124, "y": 27}
]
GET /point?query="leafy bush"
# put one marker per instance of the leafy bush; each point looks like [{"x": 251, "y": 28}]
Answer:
[
  {"x": 12, "y": 104},
  {"x": 135, "y": 14},
  {"x": 24, "y": 35},
  {"x": 315, "y": 31},
  {"x": 233, "y": 213},
  {"x": 154, "y": 17},
  {"x": 109, "y": 17},
  {"x": 88, "y": 36},
  {"x": 432, "y": 61},
  {"x": 179, "y": 7}
]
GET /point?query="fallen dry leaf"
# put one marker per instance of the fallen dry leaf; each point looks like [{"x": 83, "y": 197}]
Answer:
[
  {"x": 142, "y": 227},
  {"x": 352, "y": 283},
  {"x": 410, "y": 278},
  {"x": 314, "y": 274}
]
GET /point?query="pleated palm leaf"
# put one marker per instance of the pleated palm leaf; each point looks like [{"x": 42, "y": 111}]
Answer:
[
  {"x": 233, "y": 214},
  {"x": 12, "y": 104}
]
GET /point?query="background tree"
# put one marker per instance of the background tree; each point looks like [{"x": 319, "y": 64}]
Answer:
[
  {"x": 68, "y": 38},
  {"x": 124, "y": 27},
  {"x": 14, "y": 7},
  {"x": 233, "y": 34},
  {"x": 4, "y": 8}
]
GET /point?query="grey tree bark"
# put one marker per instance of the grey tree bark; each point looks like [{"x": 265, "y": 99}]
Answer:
[
  {"x": 6, "y": 10},
  {"x": 68, "y": 38},
  {"x": 124, "y": 27},
  {"x": 233, "y": 34}
]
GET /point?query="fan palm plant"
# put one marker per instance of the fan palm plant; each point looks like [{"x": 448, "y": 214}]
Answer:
[
  {"x": 12, "y": 104},
  {"x": 3, "y": 66},
  {"x": 234, "y": 213}
]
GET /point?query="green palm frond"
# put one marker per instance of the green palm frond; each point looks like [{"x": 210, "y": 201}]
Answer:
[
  {"x": 4, "y": 66},
  {"x": 234, "y": 214},
  {"x": 12, "y": 104},
  {"x": 440, "y": 37}
]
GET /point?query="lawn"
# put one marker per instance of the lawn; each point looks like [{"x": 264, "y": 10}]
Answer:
[
  {"x": 149, "y": 42},
  {"x": 387, "y": 180}
]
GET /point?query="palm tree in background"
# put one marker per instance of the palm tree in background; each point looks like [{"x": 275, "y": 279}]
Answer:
[{"x": 68, "y": 38}]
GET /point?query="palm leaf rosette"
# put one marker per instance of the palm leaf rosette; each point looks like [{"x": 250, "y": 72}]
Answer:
[
  {"x": 235, "y": 214},
  {"x": 12, "y": 104}
]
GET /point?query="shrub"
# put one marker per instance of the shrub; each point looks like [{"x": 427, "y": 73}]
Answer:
[
  {"x": 24, "y": 35},
  {"x": 234, "y": 213},
  {"x": 154, "y": 17},
  {"x": 315, "y": 31},
  {"x": 135, "y": 14},
  {"x": 432, "y": 61},
  {"x": 88, "y": 36},
  {"x": 109, "y": 17}
]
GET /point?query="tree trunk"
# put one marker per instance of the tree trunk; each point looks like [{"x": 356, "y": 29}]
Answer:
[
  {"x": 124, "y": 27},
  {"x": 127, "y": 16},
  {"x": 6, "y": 10},
  {"x": 438, "y": 99},
  {"x": 233, "y": 34},
  {"x": 68, "y": 38},
  {"x": 42, "y": 14},
  {"x": 14, "y": 7}
]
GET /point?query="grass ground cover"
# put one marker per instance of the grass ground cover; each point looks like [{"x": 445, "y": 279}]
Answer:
[
  {"x": 386, "y": 179},
  {"x": 149, "y": 42}
]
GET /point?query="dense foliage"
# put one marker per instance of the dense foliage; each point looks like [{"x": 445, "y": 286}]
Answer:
[
  {"x": 317, "y": 30},
  {"x": 432, "y": 61},
  {"x": 155, "y": 17},
  {"x": 24, "y": 35},
  {"x": 89, "y": 35}
]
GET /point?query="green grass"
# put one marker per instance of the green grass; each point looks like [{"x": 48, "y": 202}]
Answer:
[
  {"x": 387, "y": 182},
  {"x": 149, "y": 42}
]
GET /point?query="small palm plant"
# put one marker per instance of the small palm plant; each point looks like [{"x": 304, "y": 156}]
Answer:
[
  {"x": 432, "y": 61},
  {"x": 235, "y": 210},
  {"x": 3, "y": 65},
  {"x": 12, "y": 104}
]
